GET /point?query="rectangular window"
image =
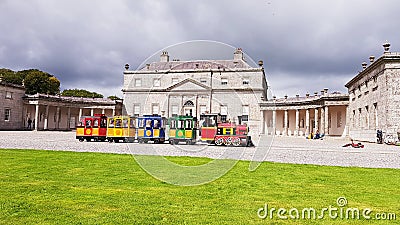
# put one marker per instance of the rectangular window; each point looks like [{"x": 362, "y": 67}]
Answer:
[
  {"x": 157, "y": 82},
  {"x": 203, "y": 109},
  {"x": 246, "y": 81},
  {"x": 224, "y": 110},
  {"x": 245, "y": 113},
  {"x": 136, "y": 110},
  {"x": 175, "y": 110},
  {"x": 155, "y": 109},
  {"x": 175, "y": 81},
  {"x": 224, "y": 81},
  {"x": 7, "y": 114},
  {"x": 138, "y": 82},
  {"x": 8, "y": 95}
]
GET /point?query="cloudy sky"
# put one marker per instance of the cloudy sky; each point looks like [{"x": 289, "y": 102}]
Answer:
[{"x": 306, "y": 45}]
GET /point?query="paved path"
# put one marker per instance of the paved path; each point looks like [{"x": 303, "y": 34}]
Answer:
[{"x": 276, "y": 149}]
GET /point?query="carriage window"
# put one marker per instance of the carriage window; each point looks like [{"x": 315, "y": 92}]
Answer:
[
  {"x": 111, "y": 123},
  {"x": 141, "y": 123},
  {"x": 156, "y": 124},
  {"x": 181, "y": 124},
  {"x": 148, "y": 123},
  {"x": 125, "y": 123},
  {"x": 188, "y": 124},
  {"x": 118, "y": 123},
  {"x": 88, "y": 123},
  {"x": 81, "y": 122},
  {"x": 132, "y": 123},
  {"x": 96, "y": 123},
  {"x": 173, "y": 124},
  {"x": 103, "y": 122}
]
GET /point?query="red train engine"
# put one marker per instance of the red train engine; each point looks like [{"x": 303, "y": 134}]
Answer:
[{"x": 215, "y": 131}]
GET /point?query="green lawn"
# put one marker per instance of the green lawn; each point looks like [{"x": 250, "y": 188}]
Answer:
[{"x": 50, "y": 187}]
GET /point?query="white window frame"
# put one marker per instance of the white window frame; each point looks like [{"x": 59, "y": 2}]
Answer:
[
  {"x": 7, "y": 114},
  {"x": 155, "y": 109},
  {"x": 138, "y": 82},
  {"x": 156, "y": 82},
  {"x": 224, "y": 81},
  {"x": 175, "y": 110},
  {"x": 136, "y": 109},
  {"x": 203, "y": 109},
  {"x": 8, "y": 95},
  {"x": 224, "y": 110}
]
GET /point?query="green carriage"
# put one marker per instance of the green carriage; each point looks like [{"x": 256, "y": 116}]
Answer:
[{"x": 182, "y": 129}]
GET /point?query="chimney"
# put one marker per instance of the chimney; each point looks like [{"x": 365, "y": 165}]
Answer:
[
  {"x": 238, "y": 55},
  {"x": 364, "y": 65},
  {"x": 274, "y": 98},
  {"x": 148, "y": 66},
  {"x": 386, "y": 47},
  {"x": 371, "y": 59},
  {"x": 164, "y": 57},
  {"x": 297, "y": 96},
  {"x": 326, "y": 91},
  {"x": 316, "y": 94},
  {"x": 286, "y": 96},
  {"x": 127, "y": 66},
  {"x": 307, "y": 95},
  {"x": 322, "y": 92}
]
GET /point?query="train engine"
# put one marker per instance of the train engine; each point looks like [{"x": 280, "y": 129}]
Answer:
[{"x": 215, "y": 131}]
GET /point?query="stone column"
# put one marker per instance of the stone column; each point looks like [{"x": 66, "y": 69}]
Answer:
[
  {"x": 69, "y": 118},
  {"x": 113, "y": 112},
  {"x": 326, "y": 131},
  {"x": 92, "y": 112},
  {"x": 307, "y": 121},
  {"x": 103, "y": 111},
  {"x": 58, "y": 118},
  {"x": 296, "y": 132},
  {"x": 80, "y": 113},
  {"x": 316, "y": 119},
  {"x": 285, "y": 130},
  {"x": 46, "y": 118},
  {"x": 322, "y": 127},
  {"x": 36, "y": 117},
  {"x": 273, "y": 122},
  {"x": 262, "y": 122}
]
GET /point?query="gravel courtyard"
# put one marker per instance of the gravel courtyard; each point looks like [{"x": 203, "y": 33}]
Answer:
[{"x": 274, "y": 149}]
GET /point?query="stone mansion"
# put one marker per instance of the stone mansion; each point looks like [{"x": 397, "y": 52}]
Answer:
[{"x": 239, "y": 93}]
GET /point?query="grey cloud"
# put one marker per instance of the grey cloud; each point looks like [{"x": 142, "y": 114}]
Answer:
[{"x": 87, "y": 43}]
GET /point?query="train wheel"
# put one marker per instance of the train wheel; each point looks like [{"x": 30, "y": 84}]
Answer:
[
  {"x": 88, "y": 139},
  {"x": 219, "y": 141},
  {"x": 140, "y": 140},
  {"x": 156, "y": 141},
  {"x": 236, "y": 142},
  {"x": 81, "y": 139},
  {"x": 188, "y": 142},
  {"x": 228, "y": 141},
  {"x": 145, "y": 141}
]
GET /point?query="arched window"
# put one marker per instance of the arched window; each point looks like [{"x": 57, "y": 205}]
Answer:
[{"x": 188, "y": 103}]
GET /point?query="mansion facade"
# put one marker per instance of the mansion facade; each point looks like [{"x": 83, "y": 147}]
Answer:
[
  {"x": 239, "y": 93},
  {"x": 230, "y": 87}
]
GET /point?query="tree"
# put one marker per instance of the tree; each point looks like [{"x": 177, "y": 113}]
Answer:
[
  {"x": 80, "y": 93},
  {"x": 10, "y": 76},
  {"x": 36, "y": 81},
  {"x": 114, "y": 97}
]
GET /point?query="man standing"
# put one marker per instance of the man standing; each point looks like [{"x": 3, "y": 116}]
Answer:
[{"x": 29, "y": 124}]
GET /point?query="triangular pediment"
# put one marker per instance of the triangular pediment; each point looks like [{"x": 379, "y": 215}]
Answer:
[{"x": 188, "y": 85}]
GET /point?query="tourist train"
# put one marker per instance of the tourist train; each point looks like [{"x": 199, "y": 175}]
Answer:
[{"x": 157, "y": 129}]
